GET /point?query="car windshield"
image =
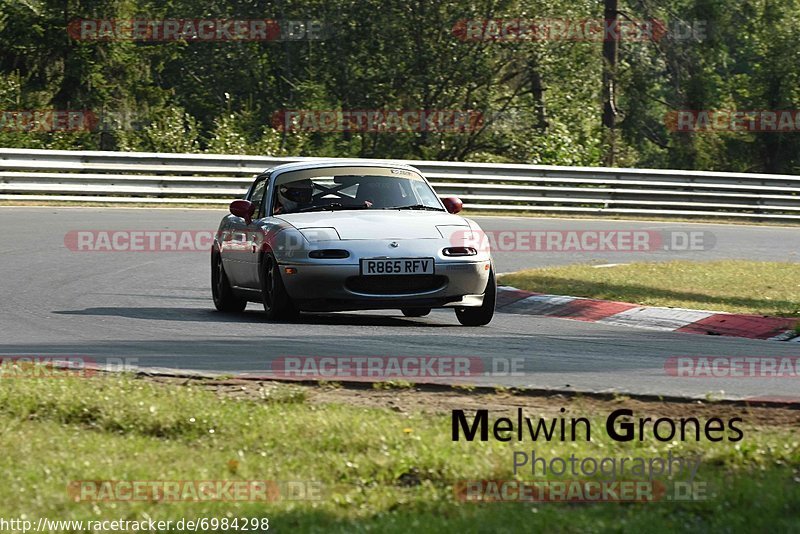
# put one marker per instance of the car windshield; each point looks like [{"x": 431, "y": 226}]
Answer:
[{"x": 352, "y": 188}]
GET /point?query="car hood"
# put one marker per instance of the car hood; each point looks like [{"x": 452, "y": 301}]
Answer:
[{"x": 374, "y": 224}]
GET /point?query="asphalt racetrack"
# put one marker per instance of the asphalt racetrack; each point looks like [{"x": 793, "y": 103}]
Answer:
[{"x": 154, "y": 309}]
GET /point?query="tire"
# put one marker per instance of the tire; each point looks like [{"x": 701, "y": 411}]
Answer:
[
  {"x": 483, "y": 314},
  {"x": 415, "y": 312},
  {"x": 221, "y": 292},
  {"x": 277, "y": 303}
]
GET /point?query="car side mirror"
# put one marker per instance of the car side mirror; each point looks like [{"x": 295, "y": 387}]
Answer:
[
  {"x": 243, "y": 209},
  {"x": 453, "y": 204}
]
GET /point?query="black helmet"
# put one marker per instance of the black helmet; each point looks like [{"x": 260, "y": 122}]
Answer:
[{"x": 293, "y": 194}]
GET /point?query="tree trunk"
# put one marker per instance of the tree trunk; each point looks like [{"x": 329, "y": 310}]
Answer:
[
  {"x": 538, "y": 90},
  {"x": 610, "y": 54}
]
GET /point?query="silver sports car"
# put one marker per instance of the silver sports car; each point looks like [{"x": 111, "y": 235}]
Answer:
[{"x": 352, "y": 235}]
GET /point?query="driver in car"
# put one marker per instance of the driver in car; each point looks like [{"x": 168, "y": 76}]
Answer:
[
  {"x": 294, "y": 195},
  {"x": 299, "y": 195}
]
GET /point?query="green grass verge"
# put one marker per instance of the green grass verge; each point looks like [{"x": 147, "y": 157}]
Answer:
[
  {"x": 118, "y": 428},
  {"x": 735, "y": 286}
]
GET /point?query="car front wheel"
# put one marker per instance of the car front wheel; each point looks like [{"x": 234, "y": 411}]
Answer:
[
  {"x": 277, "y": 303},
  {"x": 482, "y": 315},
  {"x": 224, "y": 299}
]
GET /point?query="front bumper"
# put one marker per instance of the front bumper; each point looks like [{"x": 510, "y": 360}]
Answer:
[{"x": 322, "y": 286}]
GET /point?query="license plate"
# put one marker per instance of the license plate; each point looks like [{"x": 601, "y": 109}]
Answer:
[{"x": 397, "y": 266}]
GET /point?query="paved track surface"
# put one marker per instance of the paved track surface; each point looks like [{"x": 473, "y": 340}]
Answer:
[{"x": 154, "y": 309}]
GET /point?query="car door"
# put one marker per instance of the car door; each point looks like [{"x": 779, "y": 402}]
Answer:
[
  {"x": 238, "y": 244},
  {"x": 254, "y": 238}
]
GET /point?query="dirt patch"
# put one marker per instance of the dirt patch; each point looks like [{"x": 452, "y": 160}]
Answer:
[{"x": 443, "y": 400}]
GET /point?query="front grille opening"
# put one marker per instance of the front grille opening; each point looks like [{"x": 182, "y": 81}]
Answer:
[
  {"x": 460, "y": 251},
  {"x": 329, "y": 253},
  {"x": 394, "y": 284}
]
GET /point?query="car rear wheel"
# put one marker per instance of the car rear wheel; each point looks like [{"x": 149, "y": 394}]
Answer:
[
  {"x": 224, "y": 299},
  {"x": 482, "y": 315},
  {"x": 277, "y": 303},
  {"x": 415, "y": 312}
]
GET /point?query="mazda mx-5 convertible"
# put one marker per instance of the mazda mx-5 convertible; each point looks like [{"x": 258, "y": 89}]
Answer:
[{"x": 350, "y": 235}]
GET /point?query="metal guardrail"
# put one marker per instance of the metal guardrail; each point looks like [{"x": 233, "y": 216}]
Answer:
[{"x": 152, "y": 178}]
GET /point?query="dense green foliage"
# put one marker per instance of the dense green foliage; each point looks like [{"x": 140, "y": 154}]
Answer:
[{"x": 542, "y": 99}]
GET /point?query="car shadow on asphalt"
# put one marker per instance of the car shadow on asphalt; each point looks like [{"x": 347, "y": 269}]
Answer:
[{"x": 250, "y": 316}]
